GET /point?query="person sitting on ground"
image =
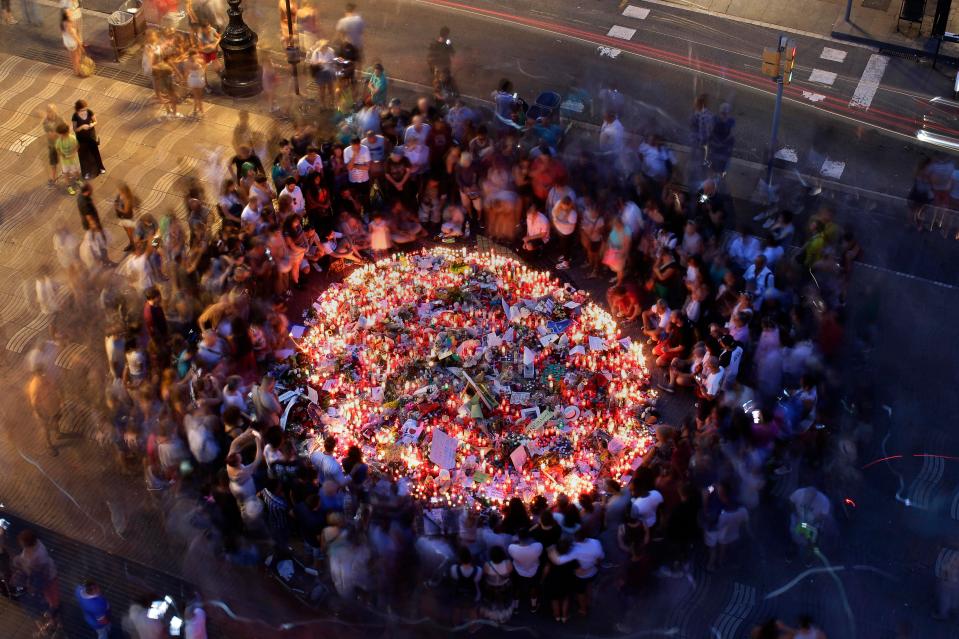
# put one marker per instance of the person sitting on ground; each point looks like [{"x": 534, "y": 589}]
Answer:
[{"x": 656, "y": 321}]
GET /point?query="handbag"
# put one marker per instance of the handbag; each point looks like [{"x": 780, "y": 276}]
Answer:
[{"x": 87, "y": 66}]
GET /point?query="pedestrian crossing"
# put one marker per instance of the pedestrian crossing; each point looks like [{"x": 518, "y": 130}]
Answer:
[{"x": 150, "y": 155}]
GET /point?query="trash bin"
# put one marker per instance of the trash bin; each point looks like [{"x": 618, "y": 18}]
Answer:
[
  {"x": 122, "y": 31},
  {"x": 135, "y": 8}
]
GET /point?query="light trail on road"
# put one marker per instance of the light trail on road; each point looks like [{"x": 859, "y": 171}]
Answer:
[{"x": 894, "y": 123}]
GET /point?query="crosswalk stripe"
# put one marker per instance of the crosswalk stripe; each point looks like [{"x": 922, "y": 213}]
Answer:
[
  {"x": 833, "y": 55},
  {"x": 822, "y": 77},
  {"x": 640, "y": 13},
  {"x": 869, "y": 82},
  {"x": 623, "y": 33}
]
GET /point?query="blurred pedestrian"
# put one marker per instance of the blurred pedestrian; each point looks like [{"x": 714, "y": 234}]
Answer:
[
  {"x": 72, "y": 40},
  {"x": 34, "y": 570},
  {"x": 52, "y": 120},
  {"x": 95, "y": 607}
]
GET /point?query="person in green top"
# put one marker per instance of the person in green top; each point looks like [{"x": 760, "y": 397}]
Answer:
[
  {"x": 67, "y": 147},
  {"x": 813, "y": 248},
  {"x": 377, "y": 85},
  {"x": 51, "y": 120}
]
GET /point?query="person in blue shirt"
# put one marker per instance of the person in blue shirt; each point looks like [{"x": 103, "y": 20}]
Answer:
[{"x": 96, "y": 609}]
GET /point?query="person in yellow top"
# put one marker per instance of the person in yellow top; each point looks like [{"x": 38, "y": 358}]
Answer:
[
  {"x": 46, "y": 404},
  {"x": 67, "y": 149}
]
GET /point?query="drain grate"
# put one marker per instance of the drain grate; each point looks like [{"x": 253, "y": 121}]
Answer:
[{"x": 60, "y": 59}]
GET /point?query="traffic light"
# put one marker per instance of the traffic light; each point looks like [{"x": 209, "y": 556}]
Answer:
[
  {"x": 771, "y": 60},
  {"x": 790, "y": 63}
]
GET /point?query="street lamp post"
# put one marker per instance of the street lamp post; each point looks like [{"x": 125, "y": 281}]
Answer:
[
  {"x": 292, "y": 51},
  {"x": 241, "y": 69}
]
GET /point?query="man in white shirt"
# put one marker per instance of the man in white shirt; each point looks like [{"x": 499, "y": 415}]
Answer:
[
  {"x": 376, "y": 143},
  {"x": 712, "y": 381},
  {"x": 658, "y": 159},
  {"x": 759, "y": 275},
  {"x": 537, "y": 231},
  {"x": 743, "y": 249},
  {"x": 310, "y": 163},
  {"x": 731, "y": 356},
  {"x": 656, "y": 320},
  {"x": 352, "y": 25},
  {"x": 632, "y": 216},
  {"x": 251, "y": 214},
  {"x": 357, "y": 159},
  {"x": 525, "y": 554},
  {"x": 588, "y": 553},
  {"x": 326, "y": 464},
  {"x": 416, "y": 131},
  {"x": 292, "y": 191},
  {"x": 612, "y": 137}
]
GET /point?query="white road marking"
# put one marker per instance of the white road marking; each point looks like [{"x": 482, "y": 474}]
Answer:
[
  {"x": 787, "y": 154},
  {"x": 869, "y": 82},
  {"x": 832, "y": 169},
  {"x": 822, "y": 77},
  {"x": 833, "y": 55},
  {"x": 22, "y": 143},
  {"x": 609, "y": 52},
  {"x": 639, "y": 13},
  {"x": 623, "y": 33},
  {"x": 813, "y": 97}
]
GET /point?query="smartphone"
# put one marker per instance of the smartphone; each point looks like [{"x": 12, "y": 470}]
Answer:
[{"x": 176, "y": 626}]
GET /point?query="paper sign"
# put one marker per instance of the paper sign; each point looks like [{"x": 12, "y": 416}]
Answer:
[
  {"x": 519, "y": 457},
  {"x": 597, "y": 343},
  {"x": 546, "y": 340},
  {"x": 312, "y": 395},
  {"x": 493, "y": 340},
  {"x": 376, "y": 393},
  {"x": 540, "y": 421},
  {"x": 411, "y": 432},
  {"x": 443, "y": 450},
  {"x": 577, "y": 350},
  {"x": 495, "y": 493},
  {"x": 563, "y": 341},
  {"x": 559, "y": 327},
  {"x": 509, "y": 335},
  {"x": 505, "y": 308},
  {"x": 615, "y": 446},
  {"x": 571, "y": 305},
  {"x": 529, "y": 357},
  {"x": 626, "y": 343},
  {"x": 329, "y": 385},
  {"x": 530, "y": 413},
  {"x": 296, "y": 331},
  {"x": 480, "y": 477},
  {"x": 519, "y": 399}
]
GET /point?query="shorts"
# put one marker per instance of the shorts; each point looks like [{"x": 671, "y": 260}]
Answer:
[
  {"x": 52, "y": 156},
  {"x": 581, "y": 584}
]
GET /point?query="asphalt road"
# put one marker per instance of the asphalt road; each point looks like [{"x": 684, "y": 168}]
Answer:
[{"x": 673, "y": 56}]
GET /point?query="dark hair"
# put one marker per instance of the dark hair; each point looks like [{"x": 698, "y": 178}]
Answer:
[
  {"x": 62, "y": 128},
  {"x": 79, "y": 104},
  {"x": 27, "y": 538},
  {"x": 152, "y": 293},
  {"x": 464, "y": 556},
  {"x": 497, "y": 554},
  {"x": 329, "y": 444},
  {"x": 290, "y": 180}
]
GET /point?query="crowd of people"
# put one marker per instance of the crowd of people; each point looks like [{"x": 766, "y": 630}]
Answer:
[{"x": 197, "y": 329}]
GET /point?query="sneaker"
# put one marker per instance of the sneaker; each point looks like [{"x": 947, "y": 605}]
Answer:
[
  {"x": 102, "y": 171},
  {"x": 71, "y": 190}
]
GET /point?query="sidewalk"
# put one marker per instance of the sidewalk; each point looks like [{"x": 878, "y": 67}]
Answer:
[
  {"x": 121, "y": 580},
  {"x": 872, "y": 22}
]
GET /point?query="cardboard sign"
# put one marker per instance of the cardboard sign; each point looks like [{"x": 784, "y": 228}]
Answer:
[
  {"x": 540, "y": 421},
  {"x": 519, "y": 457},
  {"x": 443, "y": 450}
]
